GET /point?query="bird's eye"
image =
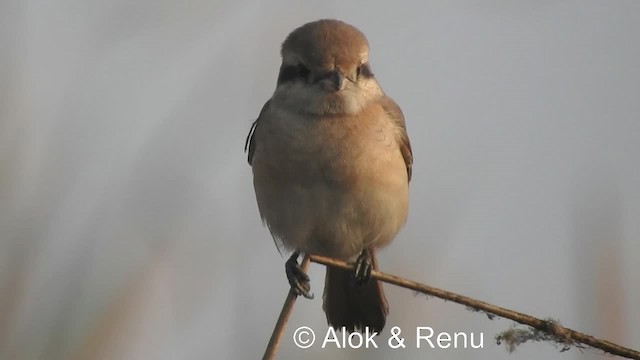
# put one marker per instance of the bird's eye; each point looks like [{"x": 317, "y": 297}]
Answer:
[
  {"x": 364, "y": 70},
  {"x": 303, "y": 72},
  {"x": 292, "y": 72}
]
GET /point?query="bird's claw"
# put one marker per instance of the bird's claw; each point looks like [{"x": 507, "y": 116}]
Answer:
[
  {"x": 363, "y": 267},
  {"x": 298, "y": 279}
]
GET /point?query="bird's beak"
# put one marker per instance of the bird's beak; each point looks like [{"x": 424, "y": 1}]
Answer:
[{"x": 332, "y": 81}]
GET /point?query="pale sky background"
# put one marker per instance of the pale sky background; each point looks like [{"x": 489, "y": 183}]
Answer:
[{"x": 128, "y": 223}]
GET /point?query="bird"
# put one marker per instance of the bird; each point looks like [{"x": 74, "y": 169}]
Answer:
[{"x": 331, "y": 163}]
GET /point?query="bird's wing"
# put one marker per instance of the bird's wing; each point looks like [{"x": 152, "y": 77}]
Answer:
[
  {"x": 249, "y": 143},
  {"x": 403, "y": 139}
]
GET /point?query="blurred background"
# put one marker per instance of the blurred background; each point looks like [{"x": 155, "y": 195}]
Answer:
[{"x": 128, "y": 223}]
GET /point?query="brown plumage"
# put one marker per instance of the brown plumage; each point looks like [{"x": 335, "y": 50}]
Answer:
[
  {"x": 329, "y": 42},
  {"x": 331, "y": 162}
]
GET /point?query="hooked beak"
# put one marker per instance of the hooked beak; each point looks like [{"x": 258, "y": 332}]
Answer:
[{"x": 332, "y": 81}]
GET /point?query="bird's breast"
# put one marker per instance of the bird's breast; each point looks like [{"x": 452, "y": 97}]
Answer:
[
  {"x": 330, "y": 185},
  {"x": 336, "y": 149}
]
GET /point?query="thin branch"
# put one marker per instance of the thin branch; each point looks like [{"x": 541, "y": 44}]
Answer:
[
  {"x": 559, "y": 333},
  {"x": 285, "y": 313}
]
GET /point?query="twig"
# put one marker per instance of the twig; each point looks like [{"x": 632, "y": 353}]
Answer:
[
  {"x": 285, "y": 313},
  {"x": 559, "y": 333}
]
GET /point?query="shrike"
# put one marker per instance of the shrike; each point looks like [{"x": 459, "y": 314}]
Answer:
[{"x": 331, "y": 166}]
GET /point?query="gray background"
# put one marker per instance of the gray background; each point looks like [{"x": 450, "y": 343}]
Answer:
[{"x": 128, "y": 222}]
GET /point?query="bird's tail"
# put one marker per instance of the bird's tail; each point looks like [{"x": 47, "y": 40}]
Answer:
[{"x": 354, "y": 307}]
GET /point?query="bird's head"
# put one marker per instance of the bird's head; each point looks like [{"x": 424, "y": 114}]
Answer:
[{"x": 325, "y": 70}]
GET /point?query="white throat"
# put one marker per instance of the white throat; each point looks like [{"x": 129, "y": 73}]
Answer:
[{"x": 299, "y": 97}]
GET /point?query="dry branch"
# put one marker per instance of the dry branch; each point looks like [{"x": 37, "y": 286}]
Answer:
[
  {"x": 560, "y": 333},
  {"x": 285, "y": 313},
  {"x": 548, "y": 330}
]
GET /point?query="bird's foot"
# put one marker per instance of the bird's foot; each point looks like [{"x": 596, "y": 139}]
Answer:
[
  {"x": 298, "y": 279},
  {"x": 363, "y": 267}
]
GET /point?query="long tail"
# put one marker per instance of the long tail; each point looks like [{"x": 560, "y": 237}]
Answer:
[{"x": 351, "y": 306}]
